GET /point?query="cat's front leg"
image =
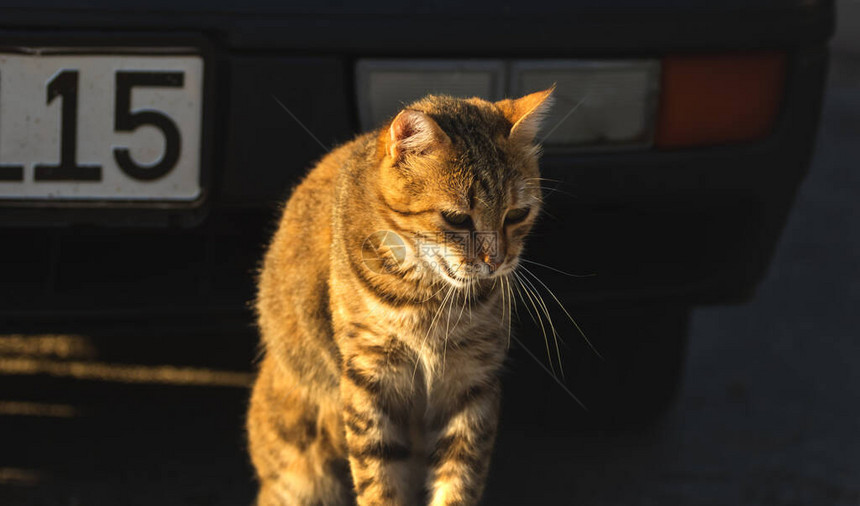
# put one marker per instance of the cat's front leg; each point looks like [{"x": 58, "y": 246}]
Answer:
[
  {"x": 463, "y": 430},
  {"x": 376, "y": 417}
]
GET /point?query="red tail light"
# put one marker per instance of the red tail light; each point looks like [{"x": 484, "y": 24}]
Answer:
[{"x": 719, "y": 99}]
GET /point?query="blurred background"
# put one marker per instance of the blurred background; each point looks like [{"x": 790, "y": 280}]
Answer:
[{"x": 133, "y": 407}]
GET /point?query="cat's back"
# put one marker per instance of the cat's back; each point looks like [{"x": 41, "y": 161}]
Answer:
[{"x": 293, "y": 282}]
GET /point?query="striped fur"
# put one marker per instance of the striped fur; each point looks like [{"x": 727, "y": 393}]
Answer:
[{"x": 379, "y": 379}]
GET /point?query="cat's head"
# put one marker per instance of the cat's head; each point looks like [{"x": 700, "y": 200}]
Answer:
[{"x": 459, "y": 182}]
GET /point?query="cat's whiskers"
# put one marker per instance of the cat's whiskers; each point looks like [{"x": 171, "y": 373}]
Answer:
[
  {"x": 535, "y": 316},
  {"x": 549, "y": 190},
  {"x": 542, "y": 305},
  {"x": 447, "y": 331},
  {"x": 511, "y": 307},
  {"x": 505, "y": 287},
  {"x": 470, "y": 295},
  {"x": 450, "y": 329},
  {"x": 541, "y": 312},
  {"x": 541, "y": 178},
  {"x": 437, "y": 292},
  {"x": 450, "y": 291},
  {"x": 463, "y": 306},
  {"x": 545, "y": 266},
  {"x": 502, "y": 294},
  {"x": 536, "y": 182},
  {"x": 566, "y": 312},
  {"x": 544, "y": 180}
]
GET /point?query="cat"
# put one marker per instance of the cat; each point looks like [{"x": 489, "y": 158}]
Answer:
[{"x": 381, "y": 306}]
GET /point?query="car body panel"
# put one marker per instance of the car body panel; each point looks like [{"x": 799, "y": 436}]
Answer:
[{"x": 692, "y": 225}]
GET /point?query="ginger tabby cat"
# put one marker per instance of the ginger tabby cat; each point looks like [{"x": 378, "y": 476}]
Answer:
[{"x": 381, "y": 308}]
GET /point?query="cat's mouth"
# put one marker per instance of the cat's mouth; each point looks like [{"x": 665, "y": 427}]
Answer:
[{"x": 463, "y": 273}]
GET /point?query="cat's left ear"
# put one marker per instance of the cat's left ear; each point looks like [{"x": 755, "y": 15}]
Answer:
[
  {"x": 414, "y": 132},
  {"x": 526, "y": 114}
]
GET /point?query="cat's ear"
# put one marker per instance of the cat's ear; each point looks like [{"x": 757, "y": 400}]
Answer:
[
  {"x": 413, "y": 132},
  {"x": 526, "y": 114}
]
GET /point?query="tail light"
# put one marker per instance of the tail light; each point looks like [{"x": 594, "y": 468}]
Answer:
[
  {"x": 719, "y": 99},
  {"x": 385, "y": 86},
  {"x": 599, "y": 104}
]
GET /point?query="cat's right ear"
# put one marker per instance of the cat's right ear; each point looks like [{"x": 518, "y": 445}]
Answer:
[{"x": 413, "y": 133}]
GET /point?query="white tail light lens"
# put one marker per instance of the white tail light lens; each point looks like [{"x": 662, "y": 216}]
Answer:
[
  {"x": 385, "y": 86},
  {"x": 598, "y": 103}
]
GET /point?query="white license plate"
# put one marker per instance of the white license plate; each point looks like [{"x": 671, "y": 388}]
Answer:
[{"x": 100, "y": 127}]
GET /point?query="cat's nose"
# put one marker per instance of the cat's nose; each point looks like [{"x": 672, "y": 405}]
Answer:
[
  {"x": 489, "y": 250},
  {"x": 489, "y": 262}
]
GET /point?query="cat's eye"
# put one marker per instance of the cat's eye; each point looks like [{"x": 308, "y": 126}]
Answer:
[
  {"x": 459, "y": 220},
  {"x": 515, "y": 216}
]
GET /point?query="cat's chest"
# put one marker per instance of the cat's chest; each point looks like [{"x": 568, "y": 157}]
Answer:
[
  {"x": 452, "y": 341},
  {"x": 452, "y": 322}
]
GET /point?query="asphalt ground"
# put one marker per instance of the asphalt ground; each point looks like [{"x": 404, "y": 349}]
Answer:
[{"x": 768, "y": 411}]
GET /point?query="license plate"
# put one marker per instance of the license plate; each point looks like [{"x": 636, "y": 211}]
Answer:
[{"x": 97, "y": 127}]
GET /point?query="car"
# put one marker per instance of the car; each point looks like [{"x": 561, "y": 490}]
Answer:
[{"x": 145, "y": 149}]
